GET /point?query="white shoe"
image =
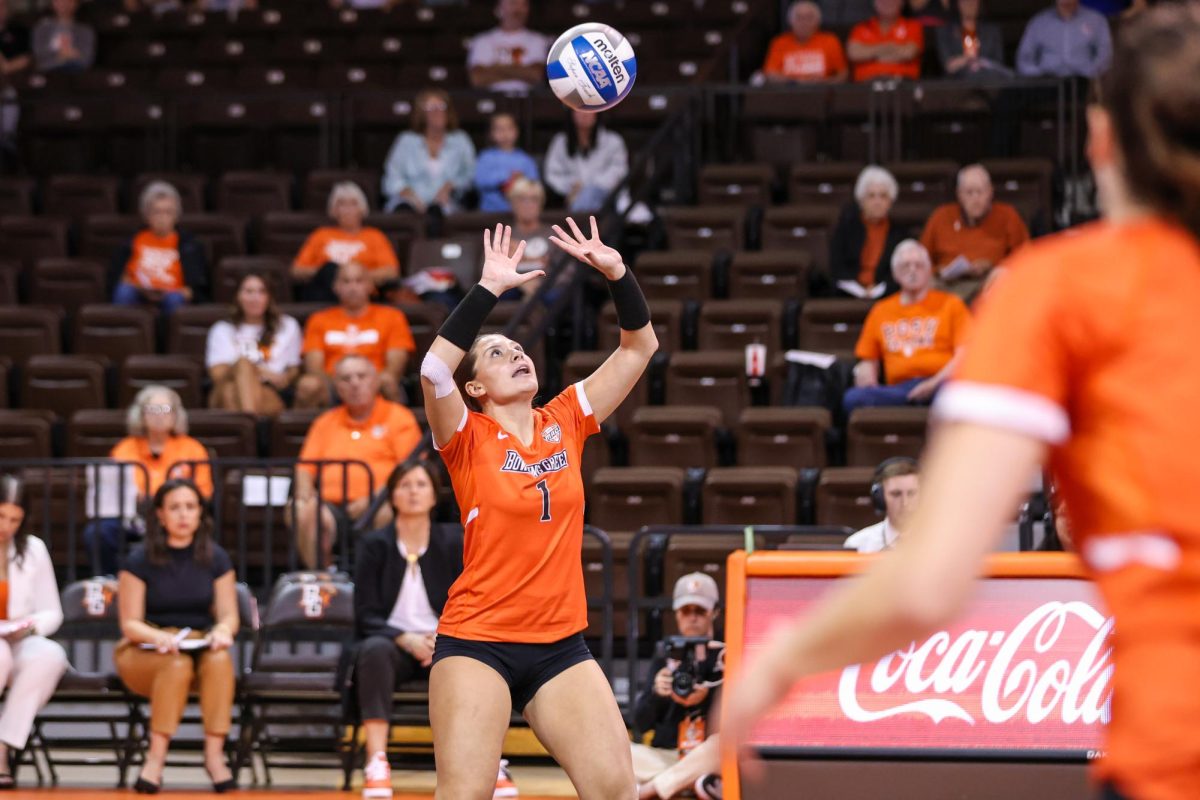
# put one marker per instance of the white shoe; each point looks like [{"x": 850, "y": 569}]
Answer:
[
  {"x": 504, "y": 782},
  {"x": 377, "y": 778}
]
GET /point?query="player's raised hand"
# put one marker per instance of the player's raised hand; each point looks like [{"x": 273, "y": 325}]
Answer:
[
  {"x": 499, "y": 268},
  {"x": 589, "y": 249}
]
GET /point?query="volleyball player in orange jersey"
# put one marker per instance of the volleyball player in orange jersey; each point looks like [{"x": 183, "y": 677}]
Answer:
[
  {"x": 1083, "y": 353},
  {"x": 510, "y": 636}
]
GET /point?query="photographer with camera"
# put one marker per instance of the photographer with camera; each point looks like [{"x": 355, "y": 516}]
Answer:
[{"x": 688, "y": 670}]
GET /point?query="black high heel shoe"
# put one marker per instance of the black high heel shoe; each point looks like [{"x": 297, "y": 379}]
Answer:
[
  {"x": 227, "y": 785},
  {"x": 143, "y": 786}
]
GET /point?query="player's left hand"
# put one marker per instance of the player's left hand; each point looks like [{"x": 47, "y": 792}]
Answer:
[
  {"x": 752, "y": 696},
  {"x": 590, "y": 250}
]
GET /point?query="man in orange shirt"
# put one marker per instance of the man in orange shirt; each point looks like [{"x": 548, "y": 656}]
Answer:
[
  {"x": 806, "y": 53},
  {"x": 378, "y": 333},
  {"x": 887, "y": 45},
  {"x": 364, "y": 428},
  {"x": 917, "y": 332},
  {"x": 972, "y": 235}
]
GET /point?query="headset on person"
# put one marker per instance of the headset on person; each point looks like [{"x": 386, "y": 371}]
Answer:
[{"x": 877, "y": 499}]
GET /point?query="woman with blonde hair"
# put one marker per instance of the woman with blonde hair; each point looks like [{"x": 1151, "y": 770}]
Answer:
[{"x": 332, "y": 246}]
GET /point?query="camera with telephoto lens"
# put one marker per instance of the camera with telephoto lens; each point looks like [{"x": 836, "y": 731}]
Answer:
[{"x": 689, "y": 652}]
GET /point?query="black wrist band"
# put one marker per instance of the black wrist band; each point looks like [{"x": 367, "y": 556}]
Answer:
[
  {"x": 632, "y": 312},
  {"x": 464, "y": 322}
]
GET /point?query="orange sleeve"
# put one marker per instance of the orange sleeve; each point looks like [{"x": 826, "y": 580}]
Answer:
[
  {"x": 314, "y": 334},
  {"x": 379, "y": 254},
  {"x": 457, "y": 451},
  {"x": 312, "y": 254},
  {"x": 836, "y": 56},
  {"x": 773, "y": 65},
  {"x": 1018, "y": 234},
  {"x": 573, "y": 412},
  {"x": 858, "y": 34},
  {"x": 868, "y": 348},
  {"x": 399, "y": 336}
]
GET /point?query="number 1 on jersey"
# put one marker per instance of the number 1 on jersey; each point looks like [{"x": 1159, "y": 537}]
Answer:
[{"x": 545, "y": 490}]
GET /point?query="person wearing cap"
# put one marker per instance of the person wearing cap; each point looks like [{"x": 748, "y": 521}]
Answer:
[{"x": 680, "y": 750}]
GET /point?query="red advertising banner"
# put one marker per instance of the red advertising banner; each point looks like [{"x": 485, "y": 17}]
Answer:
[{"x": 1026, "y": 669}]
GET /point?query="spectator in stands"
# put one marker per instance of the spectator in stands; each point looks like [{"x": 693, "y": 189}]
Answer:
[
  {"x": 670, "y": 765},
  {"x": 157, "y": 424},
  {"x": 528, "y": 198},
  {"x": 887, "y": 45},
  {"x": 1065, "y": 40},
  {"x": 586, "y": 163},
  {"x": 366, "y": 428},
  {"x": 969, "y": 47},
  {"x": 378, "y": 333},
  {"x": 253, "y": 358},
  {"x": 386, "y": 5},
  {"x": 931, "y": 13},
  {"x": 402, "y": 576},
  {"x": 894, "y": 485},
  {"x": 160, "y": 265},
  {"x": 177, "y": 601},
  {"x": 502, "y": 164},
  {"x": 968, "y": 238},
  {"x": 805, "y": 53},
  {"x": 30, "y": 663},
  {"x": 333, "y": 246},
  {"x": 917, "y": 333},
  {"x": 860, "y": 249},
  {"x": 430, "y": 167},
  {"x": 60, "y": 43},
  {"x": 15, "y": 55},
  {"x": 509, "y": 57}
]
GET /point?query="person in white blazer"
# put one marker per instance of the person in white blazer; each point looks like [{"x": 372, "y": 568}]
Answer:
[{"x": 30, "y": 663}]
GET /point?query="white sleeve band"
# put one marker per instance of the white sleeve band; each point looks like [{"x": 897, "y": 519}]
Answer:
[{"x": 437, "y": 372}]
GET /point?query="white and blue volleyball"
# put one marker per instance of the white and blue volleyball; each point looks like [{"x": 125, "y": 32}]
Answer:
[{"x": 591, "y": 67}]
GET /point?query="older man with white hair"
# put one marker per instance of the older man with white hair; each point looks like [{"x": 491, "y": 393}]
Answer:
[
  {"x": 917, "y": 334},
  {"x": 805, "y": 53}
]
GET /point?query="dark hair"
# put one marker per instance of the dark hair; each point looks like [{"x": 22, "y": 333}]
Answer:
[
  {"x": 894, "y": 468},
  {"x": 418, "y": 113},
  {"x": 156, "y": 540},
  {"x": 466, "y": 373},
  {"x": 12, "y": 490},
  {"x": 573, "y": 146},
  {"x": 271, "y": 316},
  {"x": 402, "y": 469},
  {"x": 1151, "y": 95}
]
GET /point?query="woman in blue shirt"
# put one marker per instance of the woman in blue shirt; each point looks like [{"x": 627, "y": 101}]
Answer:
[{"x": 500, "y": 165}]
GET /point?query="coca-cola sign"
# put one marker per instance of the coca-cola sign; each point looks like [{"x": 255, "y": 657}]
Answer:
[{"x": 1027, "y": 668}]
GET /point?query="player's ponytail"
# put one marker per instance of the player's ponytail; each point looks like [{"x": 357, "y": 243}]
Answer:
[{"x": 1152, "y": 94}]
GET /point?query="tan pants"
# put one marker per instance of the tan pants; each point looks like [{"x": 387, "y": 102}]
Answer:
[{"x": 167, "y": 678}]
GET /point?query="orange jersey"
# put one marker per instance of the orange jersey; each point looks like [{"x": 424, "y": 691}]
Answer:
[
  {"x": 522, "y": 510},
  {"x": 369, "y": 247},
  {"x": 371, "y": 334},
  {"x": 163, "y": 466},
  {"x": 819, "y": 58},
  {"x": 903, "y": 31},
  {"x": 381, "y": 441},
  {"x": 154, "y": 262},
  {"x": 1089, "y": 345},
  {"x": 914, "y": 341}
]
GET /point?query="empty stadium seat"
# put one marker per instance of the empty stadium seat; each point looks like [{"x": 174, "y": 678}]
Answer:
[
  {"x": 402, "y": 230},
  {"x": 283, "y": 233},
  {"x": 844, "y": 497},
  {"x": 712, "y": 228},
  {"x": 582, "y": 363},
  {"x": 832, "y": 325},
  {"x": 63, "y": 384},
  {"x": 25, "y": 436},
  {"x": 70, "y": 283},
  {"x": 770, "y": 274},
  {"x": 684, "y": 436},
  {"x": 10, "y": 272},
  {"x": 227, "y": 434},
  {"x": 718, "y": 376},
  {"x": 104, "y": 233},
  {"x": 222, "y": 235},
  {"x": 675, "y": 274},
  {"x": 231, "y": 269},
  {"x": 252, "y": 194},
  {"x": 288, "y": 431},
  {"x": 928, "y": 181},
  {"x": 462, "y": 255},
  {"x": 473, "y": 223},
  {"x": 782, "y": 436},
  {"x": 749, "y": 496},
  {"x": 116, "y": 332},
  {"x": 192, "y": 188},
  {"x": 1022, "y": 180},
  {"x": 180, "y": 373},
  {"x": 825, "y": 183},
  {"x": 76, "y": 196},
  {"x": 27, "y": 332},
  {"x": 736, "y": 184},
  {"x": 733, "y": 324},
  {"x": 667, "y": 317},
  {"x": 629, "y": 498},
  {"x": 806, "y": 227},
  {"x": 16, "y": 195},
  {"x": 874, "y": 434},
  {"x": 319, "y": 183},
  {"x": 93, "y": 432},
  {"x": 187, "y": 329},
  {"x": 29, "y": 239}
]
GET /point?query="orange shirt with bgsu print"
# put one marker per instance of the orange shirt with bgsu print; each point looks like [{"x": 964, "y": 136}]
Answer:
[
  {"x": 154, "y": 262},
  {"x": 371, "y": 334},
  {"x": 819, "y": 58},
  {"x": 914, "y": 340},
  {"x": 368, "y": 247}
]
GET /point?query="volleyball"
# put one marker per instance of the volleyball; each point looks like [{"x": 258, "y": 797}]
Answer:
[{"x": 591, "y": 67}]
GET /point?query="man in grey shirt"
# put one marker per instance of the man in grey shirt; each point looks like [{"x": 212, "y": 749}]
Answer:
[
  {"x": 1065, "y": 40},
  {"x": 61, "y": 43}
]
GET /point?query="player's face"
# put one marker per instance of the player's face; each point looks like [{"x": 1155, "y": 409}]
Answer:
[
  {"x": 253, "y": 297},
  {"x": 975, "y": 193},
  {"x": 11, "y": 517},
  {"x": 414, "y": 495},
  {"x": 900, "y": 497},
  {"x": 348, "y": 213},
  {"x": 356, "y": 382},
  {"x": 693, "y": 620},
  {"x": 503, "y": 371},
  {"x": 352, "y": 287},
  {"x": 504, "y": 132},
  {"x": 161, "y": 215}
]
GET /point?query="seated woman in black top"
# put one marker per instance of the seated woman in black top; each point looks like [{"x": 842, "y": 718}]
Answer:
[
  {"x": 860, "y": 248},
  {"x": 402, "y": 576},
  {"x": 178, "y": 608}
]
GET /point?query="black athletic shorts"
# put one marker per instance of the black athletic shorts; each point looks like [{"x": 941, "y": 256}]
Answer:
[
  {"x": 1109, "y": 792},
  {"x": 524, "y": 667}
]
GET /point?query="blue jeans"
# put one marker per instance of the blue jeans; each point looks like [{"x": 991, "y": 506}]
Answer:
[
  {"x": 865, "y": 396},
  {"x": 590, "y": 198},
  {"x": 105, "y": 541},
  {"x": 126, "y": 294}
]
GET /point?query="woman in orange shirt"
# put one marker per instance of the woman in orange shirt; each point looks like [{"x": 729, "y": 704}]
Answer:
[
  {"x": 510, "y": 636},
  {"x": 332, "y": 246},
  {"x": 1084, "y": 355},
  {"x": 160, "y": 265}
]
